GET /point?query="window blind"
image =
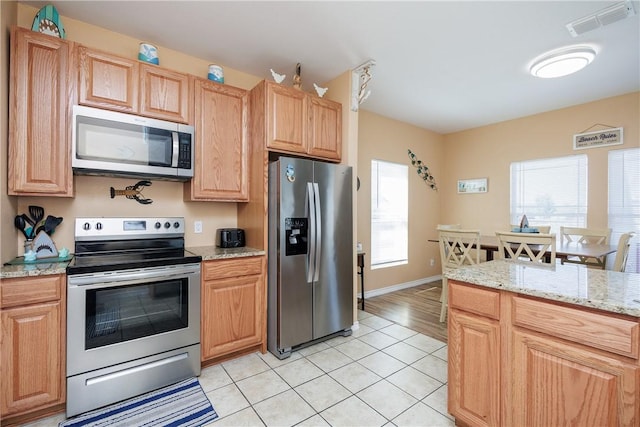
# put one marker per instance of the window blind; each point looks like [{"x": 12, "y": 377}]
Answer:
[
  {"x": 624, "y": 201},
  {"x": 389, "y": 213},
  {"x": 550, "y": 192}
]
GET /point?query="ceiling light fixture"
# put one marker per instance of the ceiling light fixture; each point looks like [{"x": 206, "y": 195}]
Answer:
[{"x": 562, "y": 62}]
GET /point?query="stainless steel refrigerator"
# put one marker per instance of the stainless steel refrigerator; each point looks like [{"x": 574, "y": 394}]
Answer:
[{"x": 310, "y": 291}]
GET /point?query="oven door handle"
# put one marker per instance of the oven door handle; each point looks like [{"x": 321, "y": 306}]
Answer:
[{"x": 121, "y": 279}]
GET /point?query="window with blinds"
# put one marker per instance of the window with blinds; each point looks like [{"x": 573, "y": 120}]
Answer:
[
  {"x": 389, "y": 214},
  {"x": 624, "y": 202},
  {"x": 550, "y": 192}
]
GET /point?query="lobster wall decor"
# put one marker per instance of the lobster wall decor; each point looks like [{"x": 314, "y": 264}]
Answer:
[{"x": 133, "y": 192}]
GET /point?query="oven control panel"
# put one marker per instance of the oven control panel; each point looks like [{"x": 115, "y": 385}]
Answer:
[{"x": 124, "y": 228}]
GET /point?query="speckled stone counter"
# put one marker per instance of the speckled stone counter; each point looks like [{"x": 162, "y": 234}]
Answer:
[
  {"x": 569, "y": 283},
  {"x": 212, "y": 252},
  {"x": 36, "y": 269}
]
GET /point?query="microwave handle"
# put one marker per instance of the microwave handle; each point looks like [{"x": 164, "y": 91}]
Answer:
[{"x": 176, "y": 149}]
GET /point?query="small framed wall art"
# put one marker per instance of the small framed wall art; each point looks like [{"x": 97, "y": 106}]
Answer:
[{"x": 467, "y": 186}]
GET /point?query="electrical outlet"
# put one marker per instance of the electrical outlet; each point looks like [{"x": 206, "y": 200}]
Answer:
[
  {"x": 432, "y": 262},
  {"x": 197, "y": 227}
]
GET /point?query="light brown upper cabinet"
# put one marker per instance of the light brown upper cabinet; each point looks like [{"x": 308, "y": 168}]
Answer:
[
  {"x": 130, "y": 86},
  {"x": 40, "y": 99},
  {"x": 221, "y": 146},
  {"x": 301, "y": 123},
  {"x": 325, "y": 130},
  {"x": 107, "y": 81},
  {"x": 165, "y": 94}
]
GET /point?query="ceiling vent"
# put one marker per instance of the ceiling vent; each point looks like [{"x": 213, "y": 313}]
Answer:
[{"x": 605, "y": 16}]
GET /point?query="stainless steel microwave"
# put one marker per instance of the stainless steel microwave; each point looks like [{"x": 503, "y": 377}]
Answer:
[{"x": 117, "y": 144}]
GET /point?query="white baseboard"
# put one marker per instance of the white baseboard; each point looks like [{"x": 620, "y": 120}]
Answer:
[{"x": 400, "y": 286}]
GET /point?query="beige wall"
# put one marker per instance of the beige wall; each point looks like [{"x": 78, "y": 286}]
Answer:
[
  {"x": 386, "y": 139},
  {"x": 488, "y": 152},
  {"x": 484, "y": 152}
]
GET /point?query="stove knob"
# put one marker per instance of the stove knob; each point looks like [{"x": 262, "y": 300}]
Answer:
[
  {"x": 167, "y": 224},
  {"x": 176, "y": 224},
  {"x": 158, "y": 225},
  {"x": 86, "y": 226},
  {"x": 99, "y": 226}
]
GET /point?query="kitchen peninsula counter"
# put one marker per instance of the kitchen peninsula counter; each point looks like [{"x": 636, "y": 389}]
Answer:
[
  {"x": 213, "y": 252},
  {"x": 543, "y": 345},
  {"x": 569, "y": 283}
]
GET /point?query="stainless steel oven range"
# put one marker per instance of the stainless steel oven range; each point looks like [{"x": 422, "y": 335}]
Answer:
[{"x": 133, "y": 310}]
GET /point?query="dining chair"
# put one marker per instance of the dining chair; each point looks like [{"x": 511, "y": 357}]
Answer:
[
  {"x": 458, "y": 248},
  {"x": 585, "y": 236},
  {"x": 527, "y": 246},
  {"x": 622, "y": 253}
]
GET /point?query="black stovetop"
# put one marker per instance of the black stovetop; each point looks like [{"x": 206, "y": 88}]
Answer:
[{"x": 101, "y": 256}]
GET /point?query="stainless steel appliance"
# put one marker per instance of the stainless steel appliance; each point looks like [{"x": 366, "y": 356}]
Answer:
[
  {"x": 133, "y": 310},
  {"x": 311, "y": 250},
  {"x": 118, "y": 144}
]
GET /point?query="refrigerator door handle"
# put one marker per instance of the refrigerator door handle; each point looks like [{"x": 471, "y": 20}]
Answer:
[
  {"x": 311, "y": 254},
  {"x": 318, "y": 227}
]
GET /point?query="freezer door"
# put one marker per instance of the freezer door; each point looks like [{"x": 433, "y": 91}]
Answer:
[
  {"x": 333, "y": 290},
  {"x": 290, "y": 295}
]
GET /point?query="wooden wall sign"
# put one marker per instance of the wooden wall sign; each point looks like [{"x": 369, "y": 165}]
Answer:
[{"x": 600, "y": 138}]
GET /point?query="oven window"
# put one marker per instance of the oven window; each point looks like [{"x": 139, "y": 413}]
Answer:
[{"x": 129, "y": 312}]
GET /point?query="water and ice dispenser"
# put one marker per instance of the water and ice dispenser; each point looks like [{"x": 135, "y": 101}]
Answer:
[{"x": 296, "y": 230}]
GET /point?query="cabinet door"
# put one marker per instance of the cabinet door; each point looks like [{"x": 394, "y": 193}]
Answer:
[
  {"x": 554, "y": 383},
  {"x": 221, "y": 144},
  {"x": 32, "y": 358},
  {"x": 325, "y": 129},
  {"x": 107, "y": 81},
  {"x": 232, "y": 315},
  {"x": 287, "y": 116},
  {"x": 165, "y": 94},
  {"x": 474, "y": 369},
  {"x": 39, "y": 149}
]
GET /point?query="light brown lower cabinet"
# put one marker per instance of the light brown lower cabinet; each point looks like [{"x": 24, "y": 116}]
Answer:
[
  {"x": 522, "y": 361},
  {"x": 32, "y": 347},
  {"x": 233, "y": 307}
]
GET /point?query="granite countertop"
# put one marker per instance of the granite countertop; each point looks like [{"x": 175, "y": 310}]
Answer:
[
  {"x": 48, "y": 268},
  {"x": 209, "y": 253},
  {"x": 570, "y": 283},
  {"x": 33, "y": 269}
]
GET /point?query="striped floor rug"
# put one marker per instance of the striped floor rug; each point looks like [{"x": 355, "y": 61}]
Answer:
[{"x": 179, "y": 405}]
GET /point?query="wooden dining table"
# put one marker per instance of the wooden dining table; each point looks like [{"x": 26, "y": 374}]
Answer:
[{"x": 564, "y": 250}]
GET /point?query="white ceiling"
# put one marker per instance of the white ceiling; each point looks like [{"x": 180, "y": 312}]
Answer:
[{"x": 441, "y": 65}]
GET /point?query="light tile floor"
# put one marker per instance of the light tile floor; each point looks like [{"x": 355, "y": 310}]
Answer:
[{"x": 382, "y": 375}]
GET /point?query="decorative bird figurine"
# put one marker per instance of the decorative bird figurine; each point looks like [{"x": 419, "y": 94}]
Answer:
[
  {"x": 297, "y": 79},
  {"x": 320, "y": 90},
  {"x": 278, "y": 77}
]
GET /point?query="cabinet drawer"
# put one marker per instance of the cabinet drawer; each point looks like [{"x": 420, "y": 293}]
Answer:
[
  {"x": 484, "y": 302},
  {"x": 30, "y": 290},
  {"x": 608, "y": 333},
  {"x": 219, "y": 269}
]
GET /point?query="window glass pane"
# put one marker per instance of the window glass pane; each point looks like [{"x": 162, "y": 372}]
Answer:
[
  {"x": 550, "y": 192},
  {"x": 624, "y": 202},
  {"x": 389, "y": 213}
]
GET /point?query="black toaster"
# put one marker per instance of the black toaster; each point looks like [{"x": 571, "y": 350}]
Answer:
[{"x": 230, "y": 237}]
